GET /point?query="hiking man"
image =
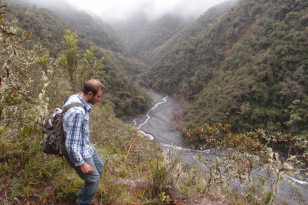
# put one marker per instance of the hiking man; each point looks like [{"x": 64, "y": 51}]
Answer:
[{"x": 82, "y": 156}]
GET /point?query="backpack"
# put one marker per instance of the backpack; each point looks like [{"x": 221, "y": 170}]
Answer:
[{"x": 53, "y": 128}]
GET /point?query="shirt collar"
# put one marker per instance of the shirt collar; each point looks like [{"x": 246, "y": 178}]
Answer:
[{"x": 86, "y": 105}]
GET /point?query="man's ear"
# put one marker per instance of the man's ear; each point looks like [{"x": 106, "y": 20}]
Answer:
[{"x": 90, "y": 94}]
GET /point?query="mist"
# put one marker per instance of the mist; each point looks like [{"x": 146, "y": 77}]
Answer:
[{"x": 120, "y": 10}]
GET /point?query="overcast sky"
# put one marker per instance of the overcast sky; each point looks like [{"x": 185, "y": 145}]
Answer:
[{"x": 119, "y": 9}]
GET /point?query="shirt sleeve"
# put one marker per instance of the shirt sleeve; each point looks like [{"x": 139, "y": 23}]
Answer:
[{"x": 73, "y": 142}]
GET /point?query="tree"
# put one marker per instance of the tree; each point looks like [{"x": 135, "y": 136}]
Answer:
[
  {"x": 298, "y": 122},
  {"x": 79, "y": 70},
  {"x": 69, "y": 60},
  {"x": 90, "y": 66}
]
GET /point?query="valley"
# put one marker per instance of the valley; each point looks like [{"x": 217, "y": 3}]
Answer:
[{"x": 239, "y": 138}]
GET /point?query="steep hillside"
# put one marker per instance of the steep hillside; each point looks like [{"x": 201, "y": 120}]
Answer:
[
  {"x": 195, "y": 50},
  {"x": 45, "y": 27},
  {"x": 48, "y": 29},
  {"x": 248, "y": 69},
  {"x": 92, "y": 27},
  {"x": 191, "y": 31},
  {"x": 136, "y": 170},
  {"x": 155, "y": 34},
  {"x": 129, "y": 29},
  {"x": 130, "y": 66}
]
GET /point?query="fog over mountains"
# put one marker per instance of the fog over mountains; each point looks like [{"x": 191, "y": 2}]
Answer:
[{"x": 119, "y": 10}]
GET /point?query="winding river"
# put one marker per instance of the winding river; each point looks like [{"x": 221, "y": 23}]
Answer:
[{"x": 158, "y": 124}]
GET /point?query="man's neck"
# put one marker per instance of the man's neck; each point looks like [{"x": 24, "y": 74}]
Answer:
[{"x": 84, "y": 97}]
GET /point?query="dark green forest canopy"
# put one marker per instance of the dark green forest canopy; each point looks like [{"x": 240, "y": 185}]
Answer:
[
  {"x": 44, "y": 25},
  {"x": 92, "y": 28},
  {"x": 249, "y": 69},
  {"x": 190, "y": 32},
  {"x": 156, "y": 34},
  {"x": 48, "y": 29}
]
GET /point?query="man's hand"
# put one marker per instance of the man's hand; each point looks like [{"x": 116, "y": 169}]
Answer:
[{"x": 85, "y": 168}]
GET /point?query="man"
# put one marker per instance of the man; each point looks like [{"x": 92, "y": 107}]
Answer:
[{"x": 82, "y": 156}]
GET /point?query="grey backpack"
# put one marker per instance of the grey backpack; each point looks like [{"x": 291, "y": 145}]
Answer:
[{"x": 53, "y": 128}]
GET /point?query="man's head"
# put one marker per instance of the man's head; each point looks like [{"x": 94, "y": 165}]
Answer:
[{"x": 93, "y": 91}]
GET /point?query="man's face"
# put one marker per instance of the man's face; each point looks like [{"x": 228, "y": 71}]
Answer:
[{"x": 96, "y": 98}]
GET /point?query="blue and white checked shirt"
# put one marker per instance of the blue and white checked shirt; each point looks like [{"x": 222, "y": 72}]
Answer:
[{"x": 76, "y": 130}]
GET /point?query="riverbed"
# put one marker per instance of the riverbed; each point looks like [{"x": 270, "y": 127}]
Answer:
[{"x": 159, "y": 124}]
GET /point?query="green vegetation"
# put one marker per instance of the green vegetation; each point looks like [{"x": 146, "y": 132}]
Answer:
[
  {"x": 31, "y": 85},
  {"x": 94, "y": 29},
  {"x": 236, "y": 157},
  {"x": 190, "y": 32},
  {"x": 218, "y": 135},
  {"x": 122, "y": 95},
  {"x": 156, "y": 34},
  {"x": 137, "y": 171},
  {"x": 248, "y": 69},
  {"x": 45, "y": 26},
  {"x": 90, "y": 28}
]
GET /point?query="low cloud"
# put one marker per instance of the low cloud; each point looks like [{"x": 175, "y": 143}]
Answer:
[{"x": 117, "y": 10}]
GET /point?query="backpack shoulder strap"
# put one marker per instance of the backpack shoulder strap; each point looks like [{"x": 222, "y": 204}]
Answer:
[{"x": 67, "y": 107}]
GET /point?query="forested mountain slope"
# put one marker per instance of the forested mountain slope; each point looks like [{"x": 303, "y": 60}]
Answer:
[
  {"x": 191, "y": 31},
  {"x": 130, "y": 28},
  {"x": 49, "y": 30},
  {"x": 157, "y": 33},
  {"x": 248, "y": 69},
  {"x": 136, "y": 169},
  {"x": 45, "y": 27},
  {"x": 92, "y": 27}
]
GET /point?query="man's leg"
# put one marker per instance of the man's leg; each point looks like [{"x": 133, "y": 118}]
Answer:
[
  {"x": 91, "y": 179},
  {"x": 99, "y": 165},
  {"x": 89, "y": 188}
]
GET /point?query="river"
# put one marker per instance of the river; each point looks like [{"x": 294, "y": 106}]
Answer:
[{"x": 158, "y": 124}]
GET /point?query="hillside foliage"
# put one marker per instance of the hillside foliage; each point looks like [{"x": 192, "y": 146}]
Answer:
[
  {"x": 48, "y": 29},
  {"x": 32, "y": 84},
  {"x": 156, "y": 34},
  {"x": 92, "y": 28},
  {"x": 248, "y": 69},
  {"x": 137, "y": 171},
  {"x": 189, "y": 32},
  {"x": 131, "y": 27}
]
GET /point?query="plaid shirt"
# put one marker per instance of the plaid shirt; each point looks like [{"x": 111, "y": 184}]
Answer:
[{"x": 76, "y": 130}]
